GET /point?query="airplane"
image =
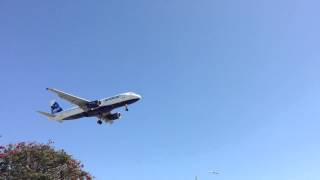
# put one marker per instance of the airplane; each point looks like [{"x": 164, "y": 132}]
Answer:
[
  {"x": 86, "y": 108},
  {"x": 213, "y": 172}
]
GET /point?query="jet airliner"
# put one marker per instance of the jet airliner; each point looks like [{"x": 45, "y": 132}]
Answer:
[{"x": 85, "y": 108}]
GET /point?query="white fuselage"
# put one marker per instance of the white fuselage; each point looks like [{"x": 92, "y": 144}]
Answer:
[{"x": 105, "y": 107}]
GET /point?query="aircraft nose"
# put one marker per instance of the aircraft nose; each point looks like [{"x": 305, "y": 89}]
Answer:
[{"x": 138, "y": 96}]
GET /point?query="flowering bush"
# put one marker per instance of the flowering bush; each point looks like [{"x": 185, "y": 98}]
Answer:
[{"x": 38, "y": 161}]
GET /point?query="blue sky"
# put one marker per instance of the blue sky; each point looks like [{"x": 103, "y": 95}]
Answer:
[{"x": 227, "y": 85}]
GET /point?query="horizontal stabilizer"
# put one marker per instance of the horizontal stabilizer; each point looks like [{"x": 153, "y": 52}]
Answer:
[{"x": 50, "y": 116}]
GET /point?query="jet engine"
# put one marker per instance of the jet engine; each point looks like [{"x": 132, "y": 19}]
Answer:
[{"x": 113, "y": 116}]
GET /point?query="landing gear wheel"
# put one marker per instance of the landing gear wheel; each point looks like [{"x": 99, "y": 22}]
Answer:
[
  {"x": 99, "y": 122},
  {"x": 127, "y": 107}
]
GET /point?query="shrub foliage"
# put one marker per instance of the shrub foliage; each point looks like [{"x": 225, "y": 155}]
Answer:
[{"x": 38, "y": 161}]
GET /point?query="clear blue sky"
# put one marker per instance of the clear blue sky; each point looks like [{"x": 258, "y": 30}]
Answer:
[{"x": 227, "y": 85}]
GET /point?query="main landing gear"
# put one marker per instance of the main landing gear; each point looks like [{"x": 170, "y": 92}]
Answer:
[
  {"x": 99, "y": 122},
  {"x": 126, "y": 107}
]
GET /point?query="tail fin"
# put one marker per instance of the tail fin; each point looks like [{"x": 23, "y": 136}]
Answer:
[
  {"x": 50, "y": 116},
  {"x": 55, "y": 108}
]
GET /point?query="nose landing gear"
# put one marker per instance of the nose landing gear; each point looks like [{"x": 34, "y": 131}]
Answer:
[
  {"x": 99, "y": 122},
  {"x": 126, "y": 106}
]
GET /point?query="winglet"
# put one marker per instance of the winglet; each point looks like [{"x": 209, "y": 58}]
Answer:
[
  {"x": 50, "y": 89},
  {"x": 56, "y": 91}
]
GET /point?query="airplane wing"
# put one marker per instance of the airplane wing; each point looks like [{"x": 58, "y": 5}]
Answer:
[{"x": 69, "y": 97}]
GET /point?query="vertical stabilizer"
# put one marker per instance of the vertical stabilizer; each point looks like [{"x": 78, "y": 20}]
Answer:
[{"x": 55, "y": 107}]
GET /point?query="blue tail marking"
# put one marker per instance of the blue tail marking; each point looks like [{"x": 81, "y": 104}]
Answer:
[{"x": 55, "y": 108}]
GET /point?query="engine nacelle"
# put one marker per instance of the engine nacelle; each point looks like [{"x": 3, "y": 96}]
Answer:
[
  {"x": 113, "y": 116},
  {"x": 93, "y": 104}
]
